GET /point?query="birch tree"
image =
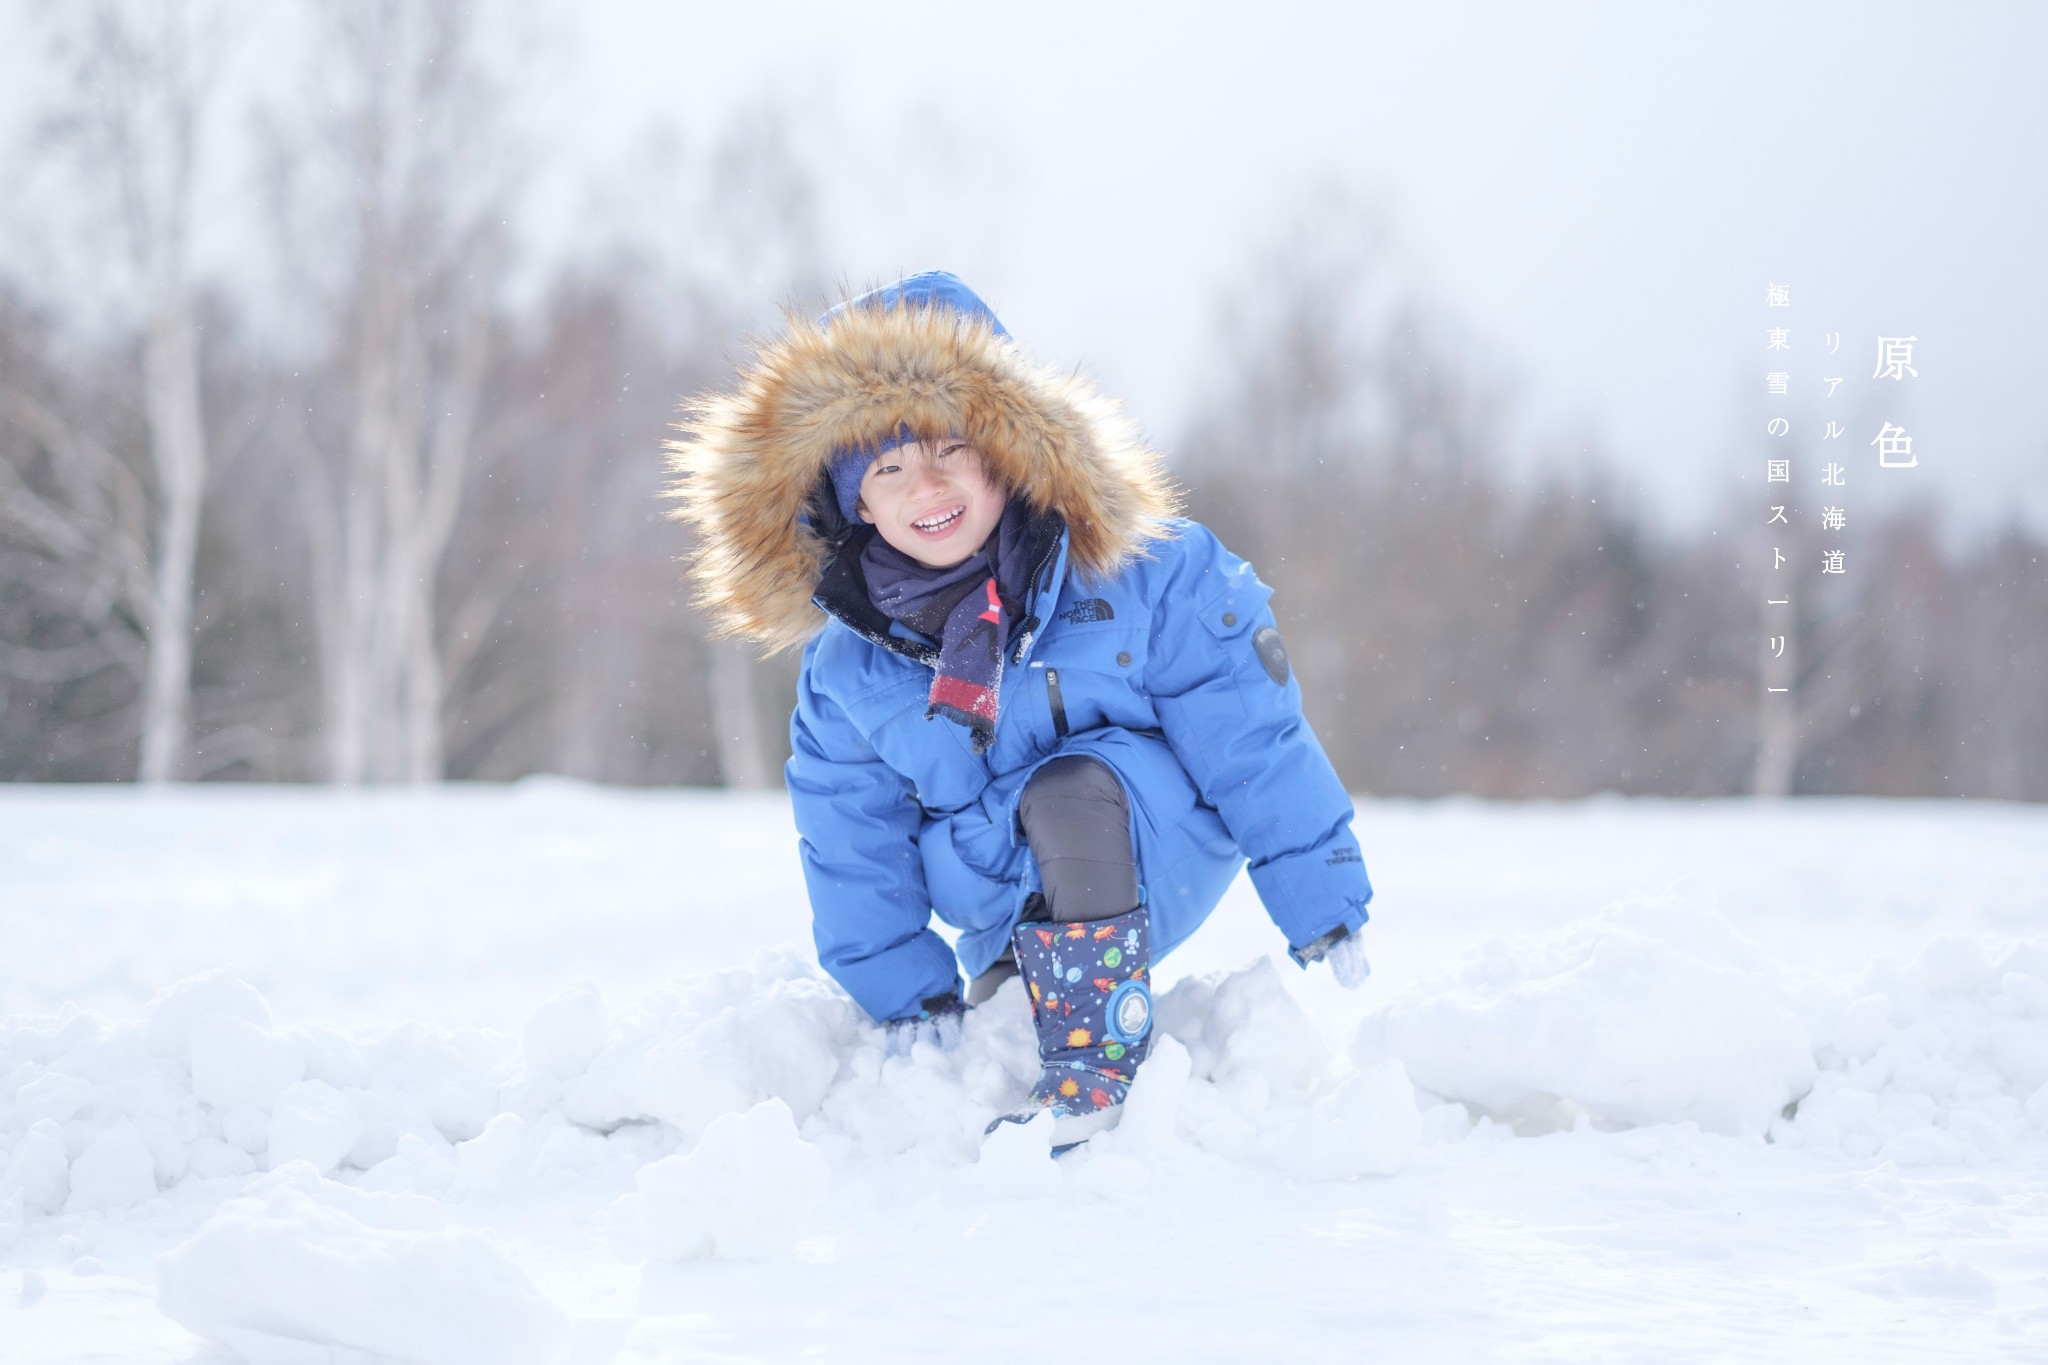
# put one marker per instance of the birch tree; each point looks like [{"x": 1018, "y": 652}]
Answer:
[
  {"x": 136, "y": 80},
  {"x": 754, "y": 215},
  {"x": 395, "y": 182}
]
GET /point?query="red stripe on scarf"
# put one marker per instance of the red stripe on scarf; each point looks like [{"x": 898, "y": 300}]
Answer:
[{"x": 962, "y": 695}]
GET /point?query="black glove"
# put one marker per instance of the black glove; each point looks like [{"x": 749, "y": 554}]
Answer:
[
  {"x": 1344, "y": 951},
  {"x": 937, "y": 1022}
]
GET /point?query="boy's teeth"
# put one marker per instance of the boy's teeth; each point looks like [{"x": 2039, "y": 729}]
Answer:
[{"x": 935, "y": 523}]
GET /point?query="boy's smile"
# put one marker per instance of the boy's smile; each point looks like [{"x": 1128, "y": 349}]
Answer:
[{"x": 932, "y": 500}]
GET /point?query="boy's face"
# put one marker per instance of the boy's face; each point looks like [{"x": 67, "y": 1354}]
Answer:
[{"x": 932, "y": 500}]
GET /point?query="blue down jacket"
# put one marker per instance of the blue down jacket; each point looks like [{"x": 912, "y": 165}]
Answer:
[
  {"x": 1170, "y": 671},
  {"x": 1140, "y": 641}
]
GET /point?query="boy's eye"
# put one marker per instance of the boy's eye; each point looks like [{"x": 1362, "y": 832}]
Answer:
[
  {"x": 954, "y": 448},
  {"x": 885, "y": 469}
]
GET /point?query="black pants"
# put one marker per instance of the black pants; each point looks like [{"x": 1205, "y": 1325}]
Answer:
[{"x": 1077, "y": 820}]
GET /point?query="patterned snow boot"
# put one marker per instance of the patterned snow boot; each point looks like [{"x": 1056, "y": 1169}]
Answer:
[{"x": 1091, "y": 1002}]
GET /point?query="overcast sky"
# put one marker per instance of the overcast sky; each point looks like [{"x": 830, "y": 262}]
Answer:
[{"x": 1601, "y": 193}]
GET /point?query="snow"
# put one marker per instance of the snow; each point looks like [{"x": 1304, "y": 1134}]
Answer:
[
  {"x": 297, "y": 1269},
  {"x": 746, "y": 1191},
  {"x": 38, "y": 1175},
  {"x": 239, "y": 1064},
  {"x": 176, "y": 1008},
  {"x": 1649, "y": 1012},
  {"x": 115, "y": 1171},
  {"x": 565, "y": 1035},
  {"x": 1014, "y": 1160},
  {"x": 314, "y": 1123},
  {"x": 548, "y": 1074}
]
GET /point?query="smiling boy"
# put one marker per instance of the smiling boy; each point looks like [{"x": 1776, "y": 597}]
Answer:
[
  {"x": 1033, "y": 701},
  {"x": 933, "y": 503}
]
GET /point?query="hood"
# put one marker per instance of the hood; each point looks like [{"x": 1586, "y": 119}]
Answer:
[{"x": 750, "y": 463}]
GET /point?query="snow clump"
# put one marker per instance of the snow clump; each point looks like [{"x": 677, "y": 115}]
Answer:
[
  {"x": 115, "y": 1171},
  {"x": 173, "y": 1011},
  {"x": 745, "y": 1192},
  {"x": 312, "y": 1122},
  {"x": 717, "y": 1045},
  {"x": 1647, "y": 1013},
  {"x": 565, "y": 1035},
  {"x": 299, "y": 1268},
  {"x": 1653, "y": 1011},
  {"x": 1939, "y": 1062},
  {"x": 235, "y": 1062},
  {"x": 1260, "y": 1085}
]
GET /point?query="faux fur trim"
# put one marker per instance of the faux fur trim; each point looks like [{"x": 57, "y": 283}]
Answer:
[{"x": 746, "y": 461}]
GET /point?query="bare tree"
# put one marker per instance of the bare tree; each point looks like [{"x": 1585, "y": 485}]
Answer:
[
  {"x": 468, "y": 493},
  {"x": 405, "y": 163},
  {"x": 753, "y": 220},
  {"x": 76, "y": 582},
  {"x": 1454, "y": 630},
  {"x": 137, "y": 79},
  {"x": 768, "y": 235}
]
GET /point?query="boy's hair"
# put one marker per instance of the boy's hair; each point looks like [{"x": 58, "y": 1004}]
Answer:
[{"x": 850, "y": 466}]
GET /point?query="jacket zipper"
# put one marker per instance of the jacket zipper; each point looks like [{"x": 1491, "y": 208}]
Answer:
[{"x": 1059, "y": 705}]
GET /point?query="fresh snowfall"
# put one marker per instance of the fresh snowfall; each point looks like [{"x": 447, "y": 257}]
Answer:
[{"x": 548, "y": 1073}]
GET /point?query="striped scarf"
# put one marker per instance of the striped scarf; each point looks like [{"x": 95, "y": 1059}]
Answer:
[{"x": 966, "y": 610}]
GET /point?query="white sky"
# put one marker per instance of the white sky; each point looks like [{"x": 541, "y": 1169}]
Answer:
[
  {"x": 1598, "y": 192},
  {"x": 1601, "y": 192}
]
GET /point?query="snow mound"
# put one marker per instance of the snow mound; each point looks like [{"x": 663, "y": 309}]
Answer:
[
  {"x": 1940, "y": 1061},
  {"x": 1150, "y": 1124},
  {"x": 1014, "y": 1161},
  {"x": 176, "y": 1008},
  {"x": 718, "y": 1045},
  {"x": 312, "y": 1122},
  {"x": 300, "y": 1269},
  {"x": 1650, "y": 1012},
  {"x": 115, "y": 1171},
  {"x": 235, "y": 1062},
  {"x": 563, "y": 1037},
  {"x": 97, "y": 1119},
  {"x": 1254, "y": 1081},
  {"x": 1245, "y": 1033},
  {"x": 37, "y": 1177},
  {"x": 1653, "y": 1011},
  {"x": 1369, "y": 1125},
  {"x": 745, "y": 1192}
]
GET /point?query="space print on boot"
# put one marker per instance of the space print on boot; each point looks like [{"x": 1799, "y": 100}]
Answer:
[{"x": 1091, "y": 1003}]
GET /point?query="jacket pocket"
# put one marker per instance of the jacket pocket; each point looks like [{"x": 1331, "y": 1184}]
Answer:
[
  {"x": 1234, "y": 612},
  {"x": 1240, "y": 620},
  {"x": 935, "y": 755},
  {"x": 1095, "y": 677}
]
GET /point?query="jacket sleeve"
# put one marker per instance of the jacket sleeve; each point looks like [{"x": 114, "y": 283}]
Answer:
[
  {"x": 857, "y": 825},
  {"x": 1231, "y": 708}
]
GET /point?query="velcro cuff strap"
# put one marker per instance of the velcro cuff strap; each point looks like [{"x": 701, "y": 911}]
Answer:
[{"x": 1314, "y": 950}]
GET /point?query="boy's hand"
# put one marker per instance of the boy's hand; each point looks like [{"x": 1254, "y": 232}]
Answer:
[
  {"x": 1347, "y": 962},
  {"x": 1344, "y": 951},
  {"x": 937, "y": 1022}
]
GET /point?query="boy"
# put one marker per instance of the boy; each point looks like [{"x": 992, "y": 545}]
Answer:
[{"x": 1040, "y": 705}]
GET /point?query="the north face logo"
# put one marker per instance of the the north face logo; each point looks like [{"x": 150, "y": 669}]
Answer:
[{"x": 1086, "y": 610}]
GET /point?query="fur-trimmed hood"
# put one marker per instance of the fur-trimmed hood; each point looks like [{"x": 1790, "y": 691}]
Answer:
[{"x": 748, "y": 463}]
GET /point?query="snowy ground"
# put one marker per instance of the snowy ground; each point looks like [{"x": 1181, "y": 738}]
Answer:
[{"x": 1553, "y": 1126}]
